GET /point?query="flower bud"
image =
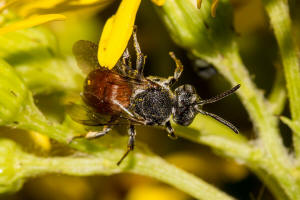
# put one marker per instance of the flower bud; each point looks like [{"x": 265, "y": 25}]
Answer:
[
  {"x": 195, "y": 29},
  {"x": 13, "y": 94},
  {"x": 11, "y": 178}
]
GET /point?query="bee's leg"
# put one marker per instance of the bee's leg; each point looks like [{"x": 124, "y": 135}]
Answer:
[
  {"x": 95, "y": 134},
  {"x": 130, "y": 145},
  {"x": 124, "y": 65},
  {"x": 140, "y": 58},
  {"x": 92, "y": 134},
  {"x": 126, "y": 59},
  {"x": 170, "y": 130},
  {"x": 179, "y": 68}
]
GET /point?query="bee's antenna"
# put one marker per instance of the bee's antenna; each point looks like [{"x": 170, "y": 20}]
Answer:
[
  {"x": 219, "y": 97},
  {"x": 216, "y": 117}
]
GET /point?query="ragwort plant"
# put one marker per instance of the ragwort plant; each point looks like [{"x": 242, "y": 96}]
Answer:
[{"x": 31, "y": 64}]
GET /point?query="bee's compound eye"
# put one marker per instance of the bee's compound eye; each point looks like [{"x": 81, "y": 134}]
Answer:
[{"x": 189, "y": 89}]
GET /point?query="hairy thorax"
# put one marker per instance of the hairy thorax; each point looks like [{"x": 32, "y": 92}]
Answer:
[{"x": 154, "y": 105}]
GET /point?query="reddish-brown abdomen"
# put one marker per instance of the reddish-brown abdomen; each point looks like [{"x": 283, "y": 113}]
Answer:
[{"x": 106, "y": 92}]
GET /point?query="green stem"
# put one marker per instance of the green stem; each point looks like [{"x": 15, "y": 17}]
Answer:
[
  {"x": 278, "y": 96},
  {"x": 231, "y": 66},
  {"x": 208, "y": 131},
  {"x": 278, "y": 12},
  {"x": 278, "y": 163},
  {"x": 271, "y": 183},
  {"x": 214, "y": 41},
  {"x": 142, "y": 164},
  {"x": 21, "y": 112},
  {"x": 107, "y": 153},
  {"x": 178, "y": 178}
]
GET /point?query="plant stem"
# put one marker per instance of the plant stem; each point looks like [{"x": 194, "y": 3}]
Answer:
[
  {"x": 143, "y": 164},
  {"x": 106, "y": 155},
  {"x": 106, "y": 152},
  {"x": 278, "y": 96},
  {"x": 178, "y": 178},
  {"x": 278, "y": 12},
  {"x": 278, "y": 163},
  {"x": 208, "y": 131},
  {"x": 230, "y": 66}
]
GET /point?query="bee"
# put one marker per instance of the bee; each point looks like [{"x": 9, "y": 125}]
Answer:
[{"x": 123, "y": 96}]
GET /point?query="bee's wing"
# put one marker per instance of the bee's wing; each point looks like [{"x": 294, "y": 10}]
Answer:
[
  {"x": 85, "y": 115},
  {"x": 85, "y": 53}
]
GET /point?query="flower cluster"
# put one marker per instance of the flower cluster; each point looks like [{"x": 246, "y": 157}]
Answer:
[{"x": 117, "y": 30}]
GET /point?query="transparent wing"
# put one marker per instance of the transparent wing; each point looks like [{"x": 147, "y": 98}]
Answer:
[
  {"x": 85, "y": 115},
  {"x": 85, "y": 53}
]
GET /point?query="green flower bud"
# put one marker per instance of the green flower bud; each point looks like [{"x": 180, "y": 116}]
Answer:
[
  {"x": 13, "y": 93},
  {"x": 195, "y": 29},
  {"x": 35, "y": 56},
  {"x": 10, "y": 167}
]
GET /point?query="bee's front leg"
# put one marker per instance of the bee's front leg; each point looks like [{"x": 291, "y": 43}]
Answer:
[
  {"x": 179, "y": 68},
  {"x": 170, "y": 130}
]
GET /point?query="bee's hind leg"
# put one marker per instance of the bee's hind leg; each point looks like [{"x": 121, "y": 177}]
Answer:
[
  {"x": 130, "y": 145},
  {"x": 92, "y": 134},
  {"x": 95, "y": 134}
]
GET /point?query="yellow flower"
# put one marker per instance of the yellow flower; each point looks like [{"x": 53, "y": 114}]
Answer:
[
  {"x": 30, "y": 22},
  {"x": 41, "y": 140},
  {"x": 25, "y": 8},
  {"x": 118, "y": 29},
  {"x": 213, "y": 6},
  {"x": 35, "y": 12},
  {"x": 117, "y": 32}
]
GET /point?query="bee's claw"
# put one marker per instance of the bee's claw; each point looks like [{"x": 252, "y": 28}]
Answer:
[{"x": 172, "y": 136}]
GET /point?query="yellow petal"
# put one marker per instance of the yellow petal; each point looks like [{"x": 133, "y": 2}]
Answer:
[
  {"x": 6, "y": 4},
  {"x": 86, "y": 2},
  {"x": 29, "y": 7},
  {"x": 159, "y": 2},
  {"x": 116, "y": 33},
  {"x": 199, "y": 2},
  {"x": 214, "y": 7},
  {"x": 157, "y": 192},
  {"x": 30, "y": 22},
  {"x": 41, "y": 140}
]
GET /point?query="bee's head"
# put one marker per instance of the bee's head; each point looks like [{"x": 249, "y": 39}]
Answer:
[
  {"x": 188, "y": 104},
  {"x": 184, "y": 110}
]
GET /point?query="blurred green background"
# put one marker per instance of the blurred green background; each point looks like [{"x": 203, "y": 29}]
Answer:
[{"x": 259, "y": 52}]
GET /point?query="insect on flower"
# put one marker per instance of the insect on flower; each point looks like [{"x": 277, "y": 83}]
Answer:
[{"x": 123, "y": 96}]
